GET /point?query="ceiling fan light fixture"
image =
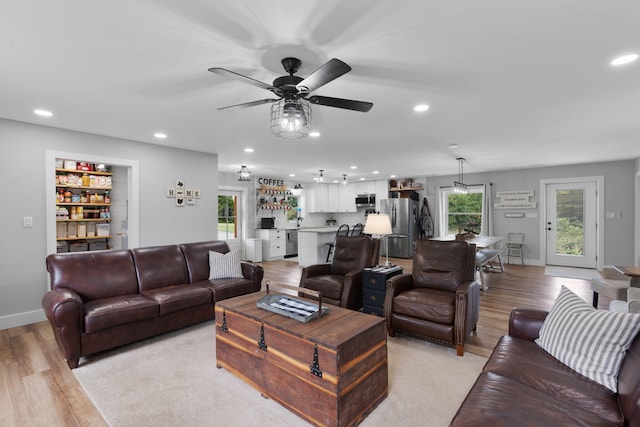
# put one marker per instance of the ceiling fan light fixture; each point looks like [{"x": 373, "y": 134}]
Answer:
[
  {"x": 291, "y": 118},
  {"x": 244, "y": 174}
]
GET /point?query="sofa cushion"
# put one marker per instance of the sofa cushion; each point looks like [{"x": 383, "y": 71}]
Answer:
[
  {"x": 427, "y": 304},
  {"x": 197, "y": 257},
  {"x": 495, "y": 400},
  {"x": 224, "y": 266},
  {"x": 525, "y": 362},
  {"x": 179, "y": 297},
  {"x": 78, "y": 271},
  {"x": 592, "y": 342},
  {"x": 109, "y": 312},
  {"x": 160, "y": 266},
  {"x": 227, "y": 288}
]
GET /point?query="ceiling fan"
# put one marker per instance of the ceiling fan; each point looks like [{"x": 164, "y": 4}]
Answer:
[{"x": 292, "y": 88}]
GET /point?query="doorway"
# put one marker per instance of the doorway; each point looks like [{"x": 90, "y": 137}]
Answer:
[
  {"x": 231, "y": 217},
  {"x": 571, "y": 222}
]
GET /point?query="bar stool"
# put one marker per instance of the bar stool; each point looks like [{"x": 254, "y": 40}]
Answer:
[{"x": 343, "y": 230}]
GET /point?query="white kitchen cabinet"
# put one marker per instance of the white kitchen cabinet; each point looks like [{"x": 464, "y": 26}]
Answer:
[
  {"x": 333, "y": 202},
  {"x": 318, "y": 198},
  {"x": 274, "y": 243},
  {"x": 382, "y": 192},
  {"x": 347, "y": 198},
  {"x": 366, "y": 187}
]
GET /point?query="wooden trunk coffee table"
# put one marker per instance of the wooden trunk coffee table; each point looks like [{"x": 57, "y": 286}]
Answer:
[{"x": 330, "y": 371}]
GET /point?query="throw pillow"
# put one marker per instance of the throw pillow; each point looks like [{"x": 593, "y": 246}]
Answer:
[
  {"x": 589, "y": 341},
  {"x": 224, "y": 266}
]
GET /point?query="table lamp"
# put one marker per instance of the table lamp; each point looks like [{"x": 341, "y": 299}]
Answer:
[{"x": 379, "y": 226}]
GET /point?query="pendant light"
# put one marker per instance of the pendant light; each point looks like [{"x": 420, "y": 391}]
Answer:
[
  {"x": 244, "y": 174},
  {"x": 344, "y": 179},
  {"x": 321, "y": 178},
  {"x": 459, "y": 186}
]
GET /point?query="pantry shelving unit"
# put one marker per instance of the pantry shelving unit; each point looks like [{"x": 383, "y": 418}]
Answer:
[{"x": 83, "y": 205}]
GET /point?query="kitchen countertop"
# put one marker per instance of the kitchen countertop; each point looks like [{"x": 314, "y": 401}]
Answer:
[{"x": 318, "y": 229}]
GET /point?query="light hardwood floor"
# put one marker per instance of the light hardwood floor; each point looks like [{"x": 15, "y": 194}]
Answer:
[{"x": 38, "y": 389}]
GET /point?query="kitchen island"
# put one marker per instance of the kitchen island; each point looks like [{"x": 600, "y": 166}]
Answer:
[{"x": 312, "y": 248}]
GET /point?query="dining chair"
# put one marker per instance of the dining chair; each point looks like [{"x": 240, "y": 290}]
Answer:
[{"x": 515, "y": 247}]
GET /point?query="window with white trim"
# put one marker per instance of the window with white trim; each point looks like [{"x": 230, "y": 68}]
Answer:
[{"x": 460, "y": 213}]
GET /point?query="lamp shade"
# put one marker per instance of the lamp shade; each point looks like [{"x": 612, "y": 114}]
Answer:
[{"x": 379, "y": 224}]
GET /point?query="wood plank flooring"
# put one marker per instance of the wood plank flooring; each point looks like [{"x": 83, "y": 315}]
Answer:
[{"x": 38, "y": 389}]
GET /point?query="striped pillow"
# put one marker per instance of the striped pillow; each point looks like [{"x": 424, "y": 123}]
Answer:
[
  {"x": 589, "y": 341},
  {"x": 224, "y": 266}
]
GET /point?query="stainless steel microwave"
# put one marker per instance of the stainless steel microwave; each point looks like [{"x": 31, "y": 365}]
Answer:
[{"x": 366, "y": 200}]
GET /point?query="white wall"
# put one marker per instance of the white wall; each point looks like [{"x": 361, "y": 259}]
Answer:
[
  {"x": 618, "y": 195},
  {"x": 23, "y": 278}
]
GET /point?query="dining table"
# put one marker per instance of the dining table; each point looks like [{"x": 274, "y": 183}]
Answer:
[
  {"x": 632, "y": 272},
  {"x": 481, "y": 242}
]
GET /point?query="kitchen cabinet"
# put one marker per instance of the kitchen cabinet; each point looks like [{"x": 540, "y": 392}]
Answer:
[
  {"x": 366, "y": 187},
  {"x": 318, "y": 198},
  {"x": 331, "y": 198},
  {"x": 274, "y": 243},
  {"x": 346, "y": 198},
  {"x": 83, "y": 206}
]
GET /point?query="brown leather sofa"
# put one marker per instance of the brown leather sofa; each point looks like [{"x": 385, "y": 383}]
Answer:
[
  {"x": 101, "y": 300},
  {"x": 523, "y": 385}
]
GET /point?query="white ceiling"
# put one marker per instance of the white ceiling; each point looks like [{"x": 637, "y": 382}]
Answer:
[{"x": 513, "y": 83}]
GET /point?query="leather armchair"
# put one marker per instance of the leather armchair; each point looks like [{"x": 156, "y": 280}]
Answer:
[
  {"x": 439, "y": 300},
  {"x": 340, "y": 282}
]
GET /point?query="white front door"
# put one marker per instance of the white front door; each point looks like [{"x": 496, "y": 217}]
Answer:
[{"x": 571, "y": 224}]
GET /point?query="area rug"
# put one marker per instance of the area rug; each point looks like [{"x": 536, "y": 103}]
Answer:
[
  {"x": 172, "y": 380},
  {"x": 570, "y": 272}
]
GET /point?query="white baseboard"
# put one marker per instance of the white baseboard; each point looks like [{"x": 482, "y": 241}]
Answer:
[{"x": 21, "y": 319}]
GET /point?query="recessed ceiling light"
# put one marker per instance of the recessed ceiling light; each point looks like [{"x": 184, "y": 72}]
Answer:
[
  {"x": 335, "y": 181},
  {"x": 160, "y": 135},
  {"x": 292, "y": 175},
  {"x": 248, "y": 150},
  {"x": 624, "y": 59},
  {"x": 314, "y": 134},
  {"x": 392, "y": 176},
  {"x": 361, "y": 179},
  {"x": 376, "y": 172},
  {"x": 421, "y": 108},
  {"x": 354, "y": 167},
  {"x": 453, "y": 146},
  {"x": 43, "y": 113}
]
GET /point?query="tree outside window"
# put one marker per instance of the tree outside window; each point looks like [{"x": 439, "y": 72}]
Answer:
[
  {"x": 227, "y": 217},
  {"x": 461, "y": 213}
]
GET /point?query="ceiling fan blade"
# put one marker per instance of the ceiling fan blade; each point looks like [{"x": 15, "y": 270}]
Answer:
[
  {"x": 347, "y": 104},
  {"x": 247, "y": 105},
  {"x": 329, "y": 71},
  {"x": 245, "y": 79}
]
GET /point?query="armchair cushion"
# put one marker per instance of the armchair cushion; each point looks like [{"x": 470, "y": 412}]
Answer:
[
  {"x": 330, "y": 286},
  {"x": 591, "y": 342},
  {"x": 437, "y": 265},
  {"x": 349, "y": 254},
  {"x": 427, "y": 304}
]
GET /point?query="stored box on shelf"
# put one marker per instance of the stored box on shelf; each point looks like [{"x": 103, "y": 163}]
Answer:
[
  {"x": 98, "y": 246},
  {"x": 62, "y": 247},
  {"x": 102, "y": 229},
  {"x": 78, "y": 247}
]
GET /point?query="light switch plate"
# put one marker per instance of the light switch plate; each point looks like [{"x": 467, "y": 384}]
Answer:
[{"x": 27, "y": 222}]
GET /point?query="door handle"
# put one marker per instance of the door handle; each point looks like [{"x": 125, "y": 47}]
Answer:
[{"x": 549, "y": 228}]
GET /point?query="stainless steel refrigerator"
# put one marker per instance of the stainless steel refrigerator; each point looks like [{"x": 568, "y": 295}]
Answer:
[{"x": 404, "y": 215}]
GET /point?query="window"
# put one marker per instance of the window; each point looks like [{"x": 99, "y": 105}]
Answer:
[
  {"x": 292, "y": 215},
  {"x": 227, "y": 217},
  {"x": 460, "y": 213}
]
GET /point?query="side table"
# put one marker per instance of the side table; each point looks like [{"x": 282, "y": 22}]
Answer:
[{"x": 374, "y": 286}]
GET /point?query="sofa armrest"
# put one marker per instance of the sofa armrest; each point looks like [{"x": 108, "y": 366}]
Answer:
[
  {"x": 253, "y": 272},
  {"x": 467, "y": 310},
  {"x": 65, "y": 311},
  {"x": 525, "y": 323}
]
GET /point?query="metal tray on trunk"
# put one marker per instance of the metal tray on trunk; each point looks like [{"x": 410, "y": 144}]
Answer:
[{"x": 300, "y": 310}]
